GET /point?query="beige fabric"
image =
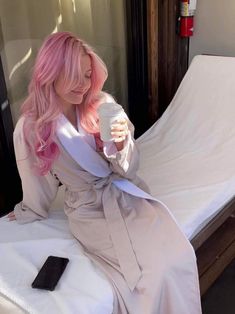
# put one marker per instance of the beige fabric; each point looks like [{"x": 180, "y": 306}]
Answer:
[
  {"x": 191, "y": 147},
  {"x": 136, "y": 242},
  {"x": 8, "y": 307}
]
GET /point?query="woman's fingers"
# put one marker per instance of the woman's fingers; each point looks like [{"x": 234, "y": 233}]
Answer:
[
  {"x": 119, "y": 139},
  {"x": 119, "y": 130},
  {"x": 11, "y": 216},
  {"x": 120, "y": 123}
]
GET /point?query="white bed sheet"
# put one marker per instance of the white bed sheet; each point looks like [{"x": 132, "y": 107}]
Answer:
[
  {"x": 82, "y": 289},
  {"x": 187, "y": 160},
  {"x": 188, "y": 156}
]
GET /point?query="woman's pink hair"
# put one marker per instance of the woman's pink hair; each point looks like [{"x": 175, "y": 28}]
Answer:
[{"x": 60, "y": 52}]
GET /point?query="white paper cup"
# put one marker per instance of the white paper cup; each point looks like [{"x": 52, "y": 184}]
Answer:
[{"x": 108, "y": 113}]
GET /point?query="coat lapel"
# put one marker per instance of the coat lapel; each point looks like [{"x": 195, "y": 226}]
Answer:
[{"x": 79, "y": 149}]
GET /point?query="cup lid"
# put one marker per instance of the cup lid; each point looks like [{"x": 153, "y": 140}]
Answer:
[{"x": 109, "y": 107}]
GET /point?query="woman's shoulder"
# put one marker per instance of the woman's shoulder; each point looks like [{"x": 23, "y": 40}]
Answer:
[
  {"x": 19, "y": 125},
  {"x": 18, "y": 130}
]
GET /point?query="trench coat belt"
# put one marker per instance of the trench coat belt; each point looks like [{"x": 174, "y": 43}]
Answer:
[{"x": 120, "y": 238}]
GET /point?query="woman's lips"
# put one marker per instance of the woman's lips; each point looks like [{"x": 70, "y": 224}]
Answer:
[{"x": 79, "y": 92}]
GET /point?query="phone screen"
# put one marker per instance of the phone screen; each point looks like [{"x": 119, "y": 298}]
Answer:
[{"x": 50, "y": 273}]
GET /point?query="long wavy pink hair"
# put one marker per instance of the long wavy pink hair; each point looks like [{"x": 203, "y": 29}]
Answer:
[{"x": 60, "y": 52}]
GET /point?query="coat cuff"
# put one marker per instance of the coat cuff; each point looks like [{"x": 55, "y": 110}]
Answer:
[
  {"x": 119, "y": 157},
  {"x": 24, "y": 214}
]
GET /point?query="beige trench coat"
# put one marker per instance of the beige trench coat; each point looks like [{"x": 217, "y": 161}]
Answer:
[{"x": 135, "y": 241}]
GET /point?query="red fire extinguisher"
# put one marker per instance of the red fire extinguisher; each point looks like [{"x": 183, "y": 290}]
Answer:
[{"x": 187, "y": 11}]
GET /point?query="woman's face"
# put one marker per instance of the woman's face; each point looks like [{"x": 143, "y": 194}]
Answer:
[{"x": 75, "y": 96}]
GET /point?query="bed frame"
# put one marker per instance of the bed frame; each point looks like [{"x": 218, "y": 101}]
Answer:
[{"x": 215, "y": 246}]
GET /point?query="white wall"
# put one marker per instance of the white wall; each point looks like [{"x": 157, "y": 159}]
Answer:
[{"x": 214, "y": 28}]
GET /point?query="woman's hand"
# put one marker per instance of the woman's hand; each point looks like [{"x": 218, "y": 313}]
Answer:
[
  {"x": 119, "y": 131},
  {"x": 11, "y": 216}
]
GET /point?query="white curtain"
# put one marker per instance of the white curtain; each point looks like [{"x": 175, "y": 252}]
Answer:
[{"x": 25, "y": 23}]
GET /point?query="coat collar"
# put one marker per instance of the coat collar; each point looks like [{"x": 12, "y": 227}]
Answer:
[{"x": 77, "y": 145}]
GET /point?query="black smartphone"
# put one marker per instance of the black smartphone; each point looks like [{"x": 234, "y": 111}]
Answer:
[{"x": 50, "y": 273}]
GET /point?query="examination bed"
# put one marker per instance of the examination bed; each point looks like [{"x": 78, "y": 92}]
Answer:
[{"x": 187, "y": 159}]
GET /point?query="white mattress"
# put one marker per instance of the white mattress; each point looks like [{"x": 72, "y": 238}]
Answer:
[
  {"x": 187, "y": 160},
  {"x": 188, "y": 156},
  {"x": 83, "y": 288}
]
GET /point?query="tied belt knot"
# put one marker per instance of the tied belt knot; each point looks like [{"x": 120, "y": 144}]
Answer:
[{"x": 100, "y": 183}]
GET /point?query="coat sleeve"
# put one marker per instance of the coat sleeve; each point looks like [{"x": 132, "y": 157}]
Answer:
[
  {"x": 38, "y": 191},
  {"x": 126, "y": 161}
]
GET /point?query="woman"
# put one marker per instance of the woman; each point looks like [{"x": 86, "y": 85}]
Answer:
[{"x": 131, "y": 236}]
